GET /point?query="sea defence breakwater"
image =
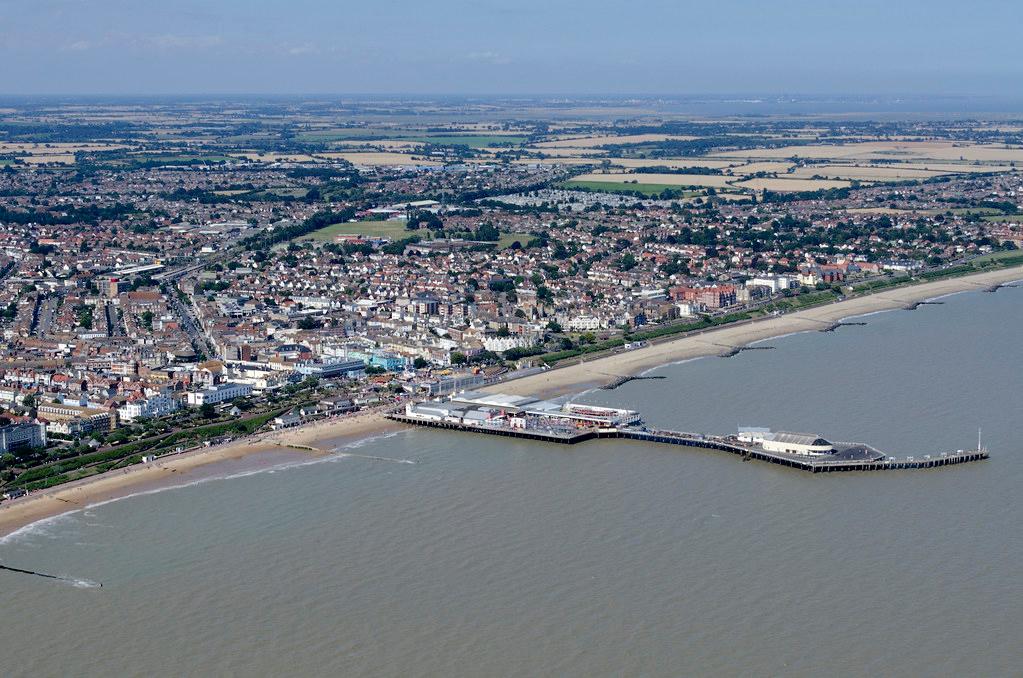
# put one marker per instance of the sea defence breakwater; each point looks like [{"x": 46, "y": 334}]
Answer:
[{"x": 571, "y": 423}]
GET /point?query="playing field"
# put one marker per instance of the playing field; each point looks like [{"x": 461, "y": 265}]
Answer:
[
  {"x": 394, "y": 229},
  {"x": 671, "y": 180},
  {"x": 652, "y": 190}
]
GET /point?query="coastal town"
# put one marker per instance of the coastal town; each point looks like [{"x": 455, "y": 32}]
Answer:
[{"x": 165, "y": 286}]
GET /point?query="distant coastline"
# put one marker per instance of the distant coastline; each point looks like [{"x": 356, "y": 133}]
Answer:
[{"x": 308, "y": 440}]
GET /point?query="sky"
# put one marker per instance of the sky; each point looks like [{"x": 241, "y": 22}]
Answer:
[{"x": 667, "y": 47}]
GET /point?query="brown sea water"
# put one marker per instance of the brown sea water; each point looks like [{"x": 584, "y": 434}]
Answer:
[{"x": 490, "y": 557}]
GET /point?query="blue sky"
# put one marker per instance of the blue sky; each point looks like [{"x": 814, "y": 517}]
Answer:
[{"x": 510, "y": 47}]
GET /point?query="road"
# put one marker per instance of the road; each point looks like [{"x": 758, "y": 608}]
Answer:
[{"x": 190, "y": 324}]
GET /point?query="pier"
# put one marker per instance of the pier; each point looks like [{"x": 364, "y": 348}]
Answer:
[{"x": 847, "y": 456}]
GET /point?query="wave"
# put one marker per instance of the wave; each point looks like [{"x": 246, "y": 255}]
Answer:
[{"x": 41, "y": 527}]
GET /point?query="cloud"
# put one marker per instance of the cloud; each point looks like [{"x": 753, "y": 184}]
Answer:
[
  {"x": 171, "y": 41},
  {"x": 301, "y": 50},
  {"x": 488, "y": 57}
]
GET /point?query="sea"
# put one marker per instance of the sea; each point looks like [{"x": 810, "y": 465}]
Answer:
[{"x": 432, "y": 553}]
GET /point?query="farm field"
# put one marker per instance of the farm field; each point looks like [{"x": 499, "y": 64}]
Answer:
[
  {"x": 382, "y": 159},
  {"x": 870, "y": 173},
  {"x": 790, "y": 185},
  {"x": 673, "y": 163},
  {"x": 275, "y": 157},
  {"x": 610, "y": 140},
  {"x": 754, "y": 167},
  {"x": 887, "y": 150}
]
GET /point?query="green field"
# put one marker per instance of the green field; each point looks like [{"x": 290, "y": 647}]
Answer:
[
  {"x": 508, "y": 238},
  {"x": 395, "y": 230},
  {"x": 613, "y": 187},
  {"x": 1017, "y": 218},
  {"x": 470, "y": 140}
]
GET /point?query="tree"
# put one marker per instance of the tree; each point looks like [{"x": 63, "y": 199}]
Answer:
[
  {"x": 420, "y": 363},
  {"x": 207, "y": 411},
  {"x": 458, "y": 358}
]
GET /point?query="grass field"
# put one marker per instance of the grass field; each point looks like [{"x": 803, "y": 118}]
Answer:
[
  {"x": 471, "y": 140},
  {"x": 1015, "y": 218},
  {"x": 394, "y": 230},
  {"x": 645, "y": 189},
  {"x": 676, "y": 180},
  {"x": 382, "y": 159},
  {"x": 508, "y": 238}
]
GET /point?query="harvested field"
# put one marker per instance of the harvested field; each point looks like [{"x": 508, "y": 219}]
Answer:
[
  {"x": 608, "y": 140},
  {"x": 275, "y": 157},
  {"x": 869, "y": 173},
  {"x": 789, "y": 185},
  {"x": 754, "y": 167},
  {"x": 384, "y": 159},
  {"x": 673, "y": 163},
  {"x": 881, "y": 150}
]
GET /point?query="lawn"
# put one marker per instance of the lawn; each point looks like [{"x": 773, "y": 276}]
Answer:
[
  {"x": 395, "y": 230},
  {"x": 609, "y": 187},
  {"x": 1005, "y": 217},
  {"x": 508, "y": 238}
]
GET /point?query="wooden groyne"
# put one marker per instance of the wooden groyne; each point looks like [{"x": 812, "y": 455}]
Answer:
[
  {"x": 621, "y": 381},
  {"x": 868, "y": 458},
  {"x": 835, "y": 326}
]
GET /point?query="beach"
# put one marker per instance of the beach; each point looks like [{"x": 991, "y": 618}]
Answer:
[
  {"x": 309, "y": 439},
  {"x": 716, "y": 341},
  {"x": 176, "y": 469}
]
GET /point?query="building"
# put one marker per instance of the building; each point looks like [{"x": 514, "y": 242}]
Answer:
[
  {"x": 156, "y": 406},
  {"x": 16, "y": 436},
  {"x": 218, "y": 394},
  {"x": 332, "y": 368},
  {"x": 808, "y": 444},
  {"x": 76, "y": 420}
]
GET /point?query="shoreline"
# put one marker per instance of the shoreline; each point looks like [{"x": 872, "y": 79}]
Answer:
[
  {"x": 712, "y": 342},
  {"x": 302, "y": 442},
  {"x": 191, "y": 466}
]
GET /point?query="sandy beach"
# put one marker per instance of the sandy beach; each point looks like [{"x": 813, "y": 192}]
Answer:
[
  {"x": 176, "y": 469},
  {"x": 313, "y": 438},
  {"x": 601, "y": 370}
]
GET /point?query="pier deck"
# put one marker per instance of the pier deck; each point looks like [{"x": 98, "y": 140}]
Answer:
[{"x": 848, "y": 456}]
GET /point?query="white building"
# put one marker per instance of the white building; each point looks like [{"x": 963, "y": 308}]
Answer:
[
  {"x": 14, "y": 436},
  {"x": 501, "y": 344},
  {"x": 218, "y": 394},
  {"x": 156, "y": 406},
  {"x": 582, "y": 323},
  {"x": 775, "y": 283},
  {"x": 808, "y": 444}
]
